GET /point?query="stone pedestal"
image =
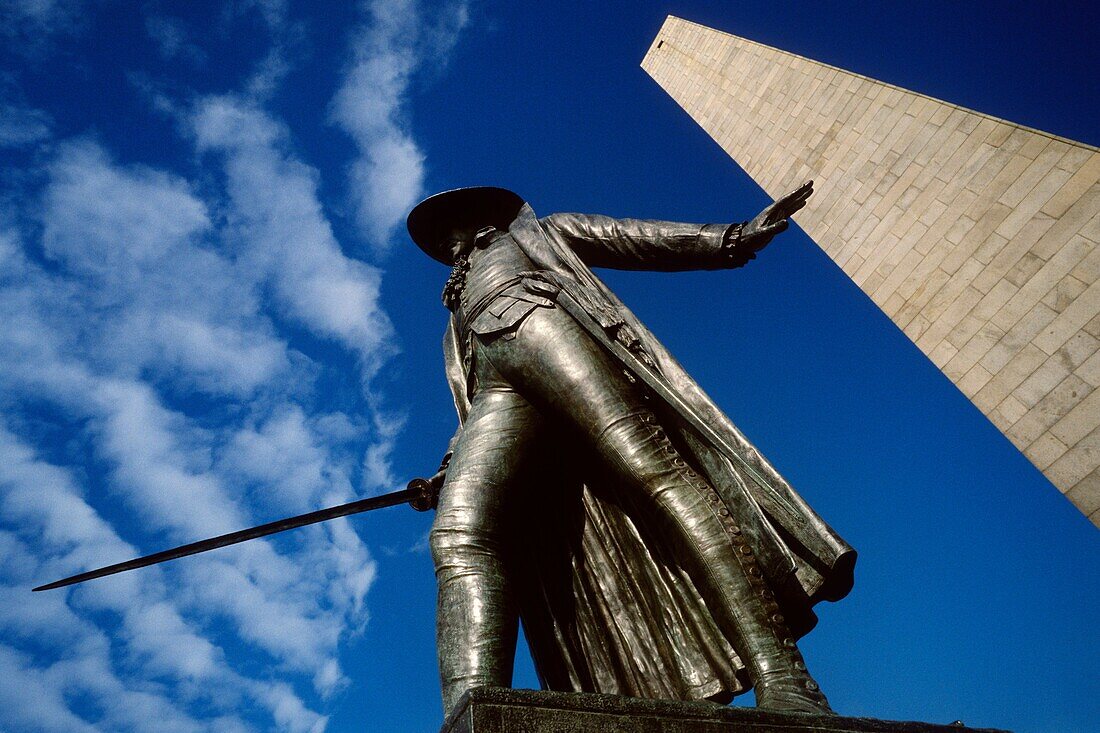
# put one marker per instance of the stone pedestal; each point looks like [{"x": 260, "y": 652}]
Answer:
[{"x": 500, "y": 710}]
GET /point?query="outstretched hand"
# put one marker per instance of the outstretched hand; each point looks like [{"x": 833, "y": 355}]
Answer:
[{"x": 773, "y": 220}]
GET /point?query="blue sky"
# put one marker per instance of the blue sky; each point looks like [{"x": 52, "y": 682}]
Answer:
[{"x": 213, "y": 318}]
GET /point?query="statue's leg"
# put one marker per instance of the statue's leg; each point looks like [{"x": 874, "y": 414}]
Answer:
[
  {"x": 560, "y": 369},
  {"x": 477, "y": 619}
]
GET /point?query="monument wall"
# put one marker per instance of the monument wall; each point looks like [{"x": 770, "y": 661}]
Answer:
[{"x": 977, "y": 236}]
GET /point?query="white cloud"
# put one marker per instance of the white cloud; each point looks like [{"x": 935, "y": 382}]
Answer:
[
  {"x": 30, "y": 27},
  {"x": 153, "y": 641},
  {"x": 392, "y": 46},
  {"x": 146, "y": 301},
  {"x": 42, "y": 13},
  {"x": 156, "y": 212},
  {"x": 32, "y": 700},
  {"x": 274, "y": 12},
  {"x": 172, "y": 38},
  {"x": 21, "y": 126},
  {"x": 161, "y": 463},
  {"x": 42, "y": 505},
  {"x": 284, "y": 35},
  {"x": 146, "y": 280},
  {"x": 167, "y": 341},
  {"x": 282, "y": 232},
  {"x": 280, "y": 455},
  {"x": 376, "y": 463}
]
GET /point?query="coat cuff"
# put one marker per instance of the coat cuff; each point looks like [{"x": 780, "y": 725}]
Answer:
[
  {"x": 734, "y": 251},
  {"x": 710, "y": 238},
  {"x": 722, "y": 242}
]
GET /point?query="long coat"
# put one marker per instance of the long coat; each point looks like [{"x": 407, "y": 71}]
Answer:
[{"x": 643, "y": 629}]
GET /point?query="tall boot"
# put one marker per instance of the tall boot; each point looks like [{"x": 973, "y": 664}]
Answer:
[
  {"x": 760, "y": 634},
  {"x": 763, "y": 639},
  {"x": 476, "y": 620},
  {"x": 476, "y": 631}
]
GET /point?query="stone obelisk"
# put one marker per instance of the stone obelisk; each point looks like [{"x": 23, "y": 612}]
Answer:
[{"x": 977, "y": 236}]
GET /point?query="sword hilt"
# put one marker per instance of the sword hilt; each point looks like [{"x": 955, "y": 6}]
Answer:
[{"x": 427, "y": 495}]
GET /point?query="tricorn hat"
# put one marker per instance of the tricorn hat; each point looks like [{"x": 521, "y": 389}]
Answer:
[{"x": 433, "y": 219}]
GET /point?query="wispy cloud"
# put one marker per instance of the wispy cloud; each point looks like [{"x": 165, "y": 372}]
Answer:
[
  {"x": 44, "y": 15},
  {"x": 393, "y": 45},
  {"x": 283, "y": 235},
  {"x": 172, "y": 38},
  {"x": 21, "y": 126},
  {"x": 142, "y": 303},
  {"x": 55, "y": 653},
  {"x": 96, "y": 332},
  {"x": 30, "y": 26},
  {"x": 169, "y": 349},
  {"x": 284, "y": 35},
  {"x": 147, "y": 278}
]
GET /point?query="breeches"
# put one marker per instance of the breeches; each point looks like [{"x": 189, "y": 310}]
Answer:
[{"x": 552, "y": 376}]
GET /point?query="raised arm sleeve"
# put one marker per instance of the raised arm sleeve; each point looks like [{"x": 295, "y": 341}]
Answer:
[{"x": 641, "y": 244}]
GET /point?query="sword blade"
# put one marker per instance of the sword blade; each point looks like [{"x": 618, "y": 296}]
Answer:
[{"x": 355, "y": 507}]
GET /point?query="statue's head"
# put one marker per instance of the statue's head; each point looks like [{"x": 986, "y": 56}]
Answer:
[{"x": 443, "y": 224}]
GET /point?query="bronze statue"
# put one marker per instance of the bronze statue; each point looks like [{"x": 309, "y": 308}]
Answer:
[{"x": 592, "y": 489}]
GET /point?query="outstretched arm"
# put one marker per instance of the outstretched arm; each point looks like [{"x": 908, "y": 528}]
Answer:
[
  {"x": 643, "y": 244},
  {"x": 638, "y": 244}
]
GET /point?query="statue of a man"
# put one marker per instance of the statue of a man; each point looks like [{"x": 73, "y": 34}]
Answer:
[{"x": 592, "y": 489}]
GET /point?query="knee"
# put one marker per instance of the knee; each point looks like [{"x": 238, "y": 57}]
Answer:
[
  {"x": 444, "y": 539},
  {"x": 468, "y": 521},
  {"x": 455, "y": 541}
]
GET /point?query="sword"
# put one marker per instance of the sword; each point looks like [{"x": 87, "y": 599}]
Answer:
[{"x": 421, "y": 494}]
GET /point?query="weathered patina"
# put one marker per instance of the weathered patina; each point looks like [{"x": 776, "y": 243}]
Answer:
[{"x": 592, "y": 488}]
